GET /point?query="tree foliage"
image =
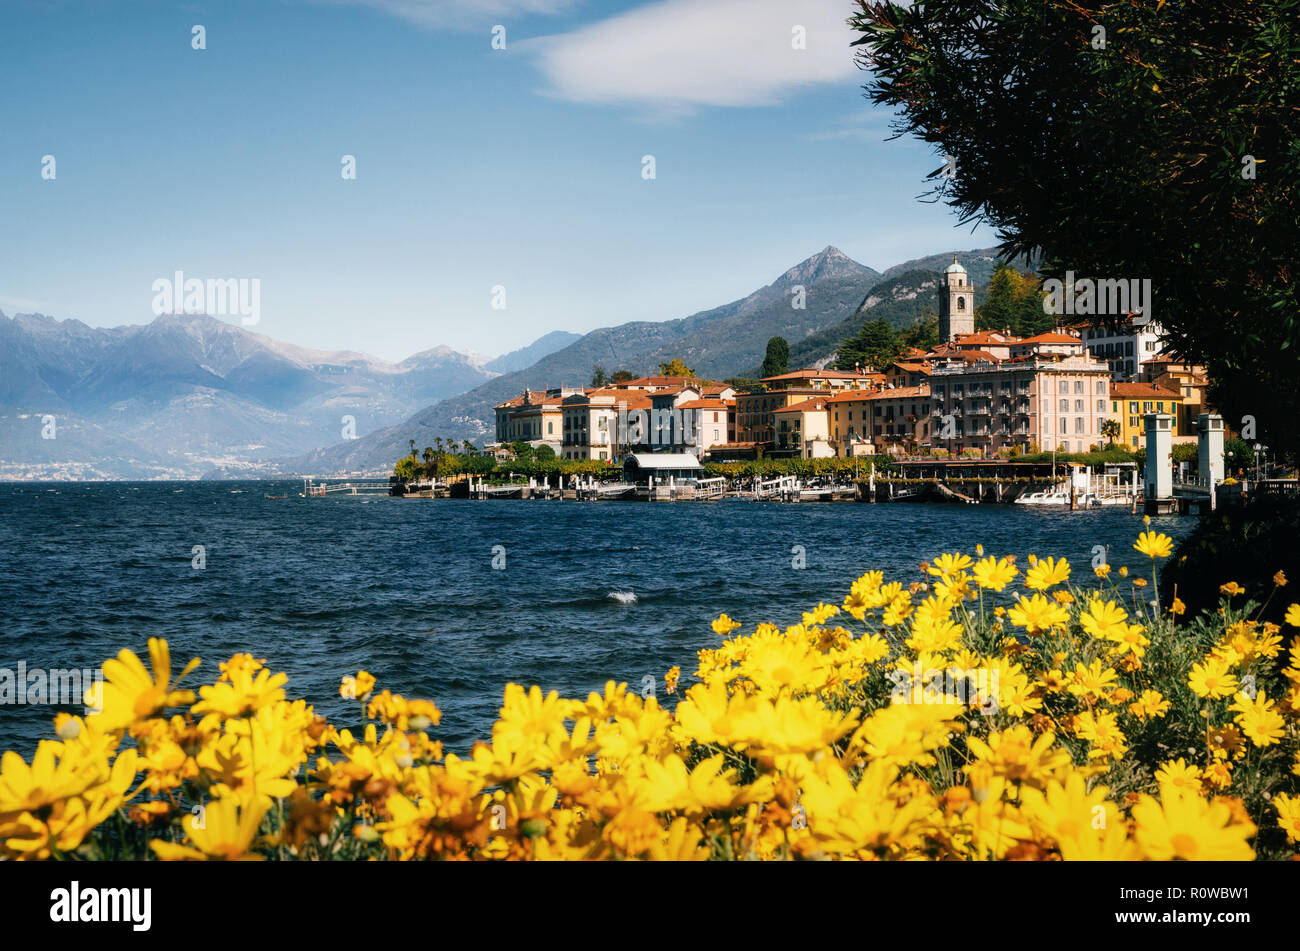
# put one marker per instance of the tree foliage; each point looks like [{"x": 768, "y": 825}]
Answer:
[
  {"x": 1162, "y": 146},
  {"x": 875, "y": 345},
  {"x": 777, "y": 360},
  {"x": 675, "y": 367}
]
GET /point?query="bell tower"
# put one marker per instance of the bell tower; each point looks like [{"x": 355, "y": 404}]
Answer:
[{"x": 956, "y": 303}]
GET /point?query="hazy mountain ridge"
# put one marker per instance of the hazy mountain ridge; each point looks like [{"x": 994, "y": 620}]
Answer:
[{"x": 182, "y": 394}]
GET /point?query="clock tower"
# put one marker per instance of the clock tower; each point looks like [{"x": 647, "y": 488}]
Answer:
[{"x": 956, "y": 304}]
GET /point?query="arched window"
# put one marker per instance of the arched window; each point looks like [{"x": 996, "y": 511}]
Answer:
[{"x": 961, "y": 303}]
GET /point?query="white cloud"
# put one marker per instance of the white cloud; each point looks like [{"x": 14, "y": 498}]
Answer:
[
  {"x": 462, "y": 14},
  {"x": 677, "y": 55}
]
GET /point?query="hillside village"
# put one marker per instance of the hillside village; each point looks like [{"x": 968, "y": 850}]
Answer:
[{"x": 978, "y": 394}]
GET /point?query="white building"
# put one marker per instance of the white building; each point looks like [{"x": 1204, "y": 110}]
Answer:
[{"x": 1126, "y": 348}]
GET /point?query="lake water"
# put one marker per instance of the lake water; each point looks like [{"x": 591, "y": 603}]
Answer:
[{"x": 406, "y": 588}]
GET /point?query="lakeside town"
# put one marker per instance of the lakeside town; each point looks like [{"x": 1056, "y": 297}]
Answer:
[
  {"x": 1064, "y": 416},
  {"x": 979, "y": 395}
]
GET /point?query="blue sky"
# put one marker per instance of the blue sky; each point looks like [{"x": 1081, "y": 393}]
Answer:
[{"x": 476, "y": 167}]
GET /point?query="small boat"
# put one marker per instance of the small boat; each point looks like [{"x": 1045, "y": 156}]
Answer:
[
  {"x": 1053, "y": 497},
  {"x": 275, "y": 496}
]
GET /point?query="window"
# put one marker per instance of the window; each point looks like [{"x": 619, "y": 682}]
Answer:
[
  {"x": 1101, "y": 387},
  {"x": 1078, "y": 406},
  {"x": 1064, "y": 387},
  {"x": 1064, "y": 428},
  {"x": 715, "y": 419},
  {"x": 1133, "y": 406},
  {"x": 1065, "y": 406},
  {"x": 1078, "y": 424},
  {"x": 1078, "y": 386},
  {"x": 961, "y": 303}
]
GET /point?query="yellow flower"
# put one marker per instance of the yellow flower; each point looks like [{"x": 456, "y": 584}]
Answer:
[
  {"x": 948, "y": 566},
  {"x": 1185, "y": 826},
  {"x": 1151, "y": 704},
  {"x": 1046, "y": 573},
  {"x": 1103, "y": 619},
  {"x": 1288, "y": 815},
  {"x": 1258, "y": 718},
  {"x": 724, "y": 625},
  {"x": 993, "y": 573},
  {"x": 1231, "y": 589},
  {"x": 221, "y": 830},
  {"x": 358, "y": 687},
  {"x": 1082, "y": 824},
  {"x": 1101, "y": 571},
  {"x": 243, "y": 694},
  {"x": 1154, "y": 545},
  {"x": 1177, "y": 608},
  {"x": 1293, "y": 615},
  {"x": 1178, "y": 774},
  {"x": 1037, "y": 614},
  {"x": 130, "y": 693},
  {"x": 1211, "y": 679},
  {"x": 1279, "y": 579}
]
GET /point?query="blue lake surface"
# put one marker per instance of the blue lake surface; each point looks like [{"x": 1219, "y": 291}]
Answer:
[{"x": 405, "y": 588}]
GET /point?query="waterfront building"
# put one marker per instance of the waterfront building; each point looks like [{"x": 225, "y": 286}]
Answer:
[
  {"x": 1172, "y": 372},
  {"x": 900, "y": 419},
  {"x": 662, "y": 467},
  {"x": 534, "y": 417},
  {"x": 755, "y": 412},
  {"x": 1126, "y": 346},
  {"x": 1051, "y": 343},
  {"x": 802, "y": 430},
  {"x": 1130, "y": 402},
  {"x": 906, "y": 373},
  {"x": 598, "y": 423},
  {"x": 849, "y": 422},
  {"x": 1039, "y": 398},
  {"x": 710, "y": 420}
]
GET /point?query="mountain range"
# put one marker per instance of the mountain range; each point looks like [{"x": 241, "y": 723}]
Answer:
[{"x": 186, "y": 396}]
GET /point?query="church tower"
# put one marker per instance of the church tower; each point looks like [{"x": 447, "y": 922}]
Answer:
[{"x": 956, "y": 304}]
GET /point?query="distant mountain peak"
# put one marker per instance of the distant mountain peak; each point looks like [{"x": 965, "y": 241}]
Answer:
[{"x": 831, "y": 262}]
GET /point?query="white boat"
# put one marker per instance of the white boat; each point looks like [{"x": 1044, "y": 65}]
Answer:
[{"x": 1045, "y": 497}]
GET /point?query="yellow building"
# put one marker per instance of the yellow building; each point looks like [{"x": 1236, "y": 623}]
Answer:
[
  {"x": 803, "y": 428},
  {"x": 1129, "y": 402},
  {"x": 755, "y": 412}
]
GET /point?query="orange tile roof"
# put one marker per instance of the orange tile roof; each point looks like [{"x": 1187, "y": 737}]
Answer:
[
  {"x": 913, "y": 367},
  {"x": 703, "y": 404},
  {"x": 817, "y": 375},
  {"x": 1129, "y": 390},
  {"x": 985, "y": 336},
  {"x": 901, "y": 393},
  {"x": 807, "y": 406},
  {"x": 1050, "y": 338},
  {"x": 850, "y": 396}
]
